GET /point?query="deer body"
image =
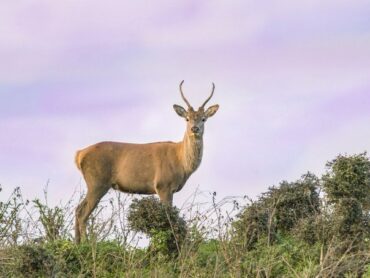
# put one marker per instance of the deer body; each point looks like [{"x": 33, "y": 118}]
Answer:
[
  {"x": 140, "y": 168},
  {"x": 155, "y": 168}
]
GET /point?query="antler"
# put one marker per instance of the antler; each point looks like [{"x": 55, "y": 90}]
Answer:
[
  {"x": 183, "y": 97},
  {"x": 213, "y": 89}
]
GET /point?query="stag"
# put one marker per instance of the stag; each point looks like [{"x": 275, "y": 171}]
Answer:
[{"x": 155, "y": 168}]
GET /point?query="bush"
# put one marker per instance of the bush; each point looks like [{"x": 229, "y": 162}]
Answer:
[
  {"x": 348, "y": 177},
  {"x": 347, "y": 185},
  {"x": 294, "y": 201},
  {"x": 10, "y": 221},
  {"x": 288, "y": 257},
  {"x": 251, "y": 226},
  {"x": 207, "y": 253},
  {"x": 289, "y": 231},
  {"x": 52, "y": 220},
  {"x": 34, "y": 260},
  {"x": 278, "y": 211},
  {"x": 160, "y": 222}
]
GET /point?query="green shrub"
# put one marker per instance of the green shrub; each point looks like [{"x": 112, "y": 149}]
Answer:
[
  {"x": 10, "y": 220},
  {"x": 278, "y": 211},
  {"x": 289, "y": 231},
  {"x": 251, "y": 225},
  {"x": 34, "y": 260},
  {"x": 347, "y": 185},
  {"x": 52, "y": 220},
  {"x": 207, "y": 253},
  {"x": 160, "y": 222},
  {"x": 288, "y": 257}
]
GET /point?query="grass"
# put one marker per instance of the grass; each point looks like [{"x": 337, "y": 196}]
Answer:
[
  {"x": 289, "y": 231},
  {"x": 112, "y": 249}
]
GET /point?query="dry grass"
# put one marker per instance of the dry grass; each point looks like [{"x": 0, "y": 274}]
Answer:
[{"x": 36, "y": 240}]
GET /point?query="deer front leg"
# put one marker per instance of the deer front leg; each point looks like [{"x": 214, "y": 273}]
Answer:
[{"x": 165, "y": 195}]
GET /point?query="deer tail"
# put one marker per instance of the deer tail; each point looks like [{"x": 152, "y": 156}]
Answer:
[{"x": 78, "y": 159}]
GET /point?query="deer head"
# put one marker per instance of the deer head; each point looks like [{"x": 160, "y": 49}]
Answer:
[{"x": 195, "y": 119}]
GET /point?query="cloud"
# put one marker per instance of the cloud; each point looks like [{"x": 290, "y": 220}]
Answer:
[{"x": 289, "y": 76}]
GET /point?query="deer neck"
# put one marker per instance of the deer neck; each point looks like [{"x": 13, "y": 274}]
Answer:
[{"x": 192, "y": 151}]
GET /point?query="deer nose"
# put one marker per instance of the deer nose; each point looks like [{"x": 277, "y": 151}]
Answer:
[{"x": 195, "y": 129}]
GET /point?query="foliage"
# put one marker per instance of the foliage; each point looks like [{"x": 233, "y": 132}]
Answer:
[
  {"x": 160, "y": 222},
  {"x": 52, "y": 220},
  {"x": 292, "y": 230},
  {"x": 348, "y": 177},
  {"x": 252, "y": 225},
  {"x": 10, "y": 222},
  {"x": 34, "y": 260},
  {"x": 347, "y": 185},
  {"x": 278, "y": 211},
  {"x": 294, "y": 201},
  {"x": 207, "y": 253},
  {"x": 286, "y": 258}
]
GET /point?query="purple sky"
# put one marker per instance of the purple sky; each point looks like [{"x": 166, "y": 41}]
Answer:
[{"x": 292, "y": 81}]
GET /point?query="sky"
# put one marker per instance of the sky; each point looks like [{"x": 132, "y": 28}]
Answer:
[{"x": 292, "y": 81}]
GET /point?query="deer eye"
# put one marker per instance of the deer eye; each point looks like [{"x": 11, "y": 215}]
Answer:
[
  {"x": 203, "y": 119},
  {"x": 187, "y": 119}
]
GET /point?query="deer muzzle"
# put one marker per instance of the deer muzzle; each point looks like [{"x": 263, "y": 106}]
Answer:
[{"x": 195, "y": 129}]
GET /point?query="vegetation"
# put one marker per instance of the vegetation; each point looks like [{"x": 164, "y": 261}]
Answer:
[{"x": 312, "y": 227}]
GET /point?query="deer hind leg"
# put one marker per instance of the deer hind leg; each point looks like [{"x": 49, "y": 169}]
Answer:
[
  {"x": 85, "y": 208},
  {"x": 80, "y": 207}
]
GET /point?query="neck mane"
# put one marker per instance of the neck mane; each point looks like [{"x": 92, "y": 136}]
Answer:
[{"x": 192, "y": 151}]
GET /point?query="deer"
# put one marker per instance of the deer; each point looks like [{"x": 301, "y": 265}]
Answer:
[{"x": 160, "y": 168}]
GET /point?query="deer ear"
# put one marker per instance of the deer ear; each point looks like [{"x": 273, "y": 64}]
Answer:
[
  {"x": 212, "y": 110},
  {"x": 180, "y": 110}
]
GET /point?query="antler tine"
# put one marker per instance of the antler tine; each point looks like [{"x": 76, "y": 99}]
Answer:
[
  {"x": 183, "y": 97},
  {"x": 213, "y": 90}
]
